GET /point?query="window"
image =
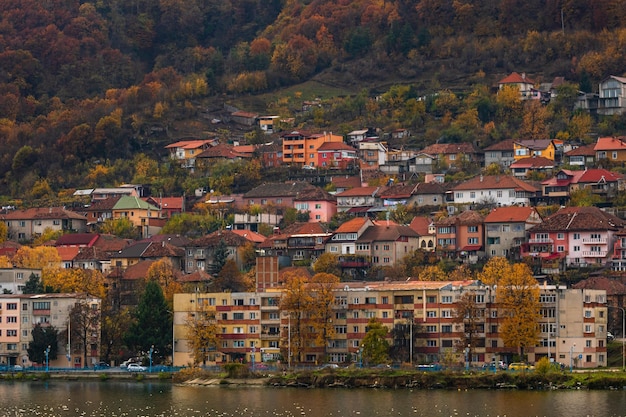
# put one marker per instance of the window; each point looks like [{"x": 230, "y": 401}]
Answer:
[
  {"x": 252, "y": 316},
  {"x": 12, "y": 333},
  {"x": 239, "y": 343},
  {"x": 384, "y": 300},
  {"x": 472, "y": 229},
  {"x": 576, "y": 236},
  {"x": 238, "y": 330},
  {"x": 446, "y": 314},
  {"x": 446, "y": 299},
  {"x": 431, "y": 343},
  {"x": 431, "y": 314},
  {"x": 472, "y": 241},
  {"x": 11, "y": 319},
  {"x": 446, "y": 328},
  {"x": 11, "y": 306},
  {"x": 431, "y": 329},
  {"x": 560, "y": 236},
  {"x": 237, "y": 316},
  {"x": 560, "y": 248},
  {"x": 587, "y": 313}
]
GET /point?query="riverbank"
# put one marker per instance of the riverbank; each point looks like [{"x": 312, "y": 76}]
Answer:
[
  {"x": 400, "y": 379},
  {"x": 358, "y": 378}
]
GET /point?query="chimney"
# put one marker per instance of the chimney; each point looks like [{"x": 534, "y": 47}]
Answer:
[{"x": 481, "y": 178}]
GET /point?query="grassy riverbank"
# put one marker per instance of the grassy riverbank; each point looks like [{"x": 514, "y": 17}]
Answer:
[
  {"x": 398, "y": 379},
  {"x": 361, "y": 378}
]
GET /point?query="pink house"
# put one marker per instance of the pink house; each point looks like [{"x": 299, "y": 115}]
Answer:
[
  {"x": 576, "y": 236},
  {"x": 320, "y": 205}
]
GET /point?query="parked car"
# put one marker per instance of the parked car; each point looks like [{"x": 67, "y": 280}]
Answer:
[
  {"x": 329, "y": 366},
  {"x": 135, "y": 367},
  {"x": 520, "y": 366},
  {"x": 101, "y": 365}
]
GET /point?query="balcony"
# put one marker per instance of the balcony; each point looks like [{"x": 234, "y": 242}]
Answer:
[
  {"x": 595, "y": 241},
  {"x": 541, "y": 240},
  {"x": 594, "y": 254}
]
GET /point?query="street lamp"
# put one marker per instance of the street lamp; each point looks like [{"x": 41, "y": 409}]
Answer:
[
  {"x": 150, "y": 355},
  {"x": 623, "y": 335},
  {"x": 288, "y": 339},
  {"x": 47, "y": 353},
  {"x": 253, "y": 354},
  {"x": 571, "y": 357}
]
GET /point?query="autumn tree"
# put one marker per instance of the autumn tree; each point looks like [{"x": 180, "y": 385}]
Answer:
[
  {"x": 295, "y": 301},
  {"x": 583, "y": 197},
  {"x": 321, "y": 308},
  {"x": 535, "y": 120},
  {"x": 122, "y": 228},
  {"x": 374, "y": 346},
  {"x": 327, "y": 263},
  {"x": 69, "y": 280},
  {"x": 517, "y": 295},
  {"x": 230, "y": 278},
  {"x": 42, "y": 338},
  {"x": 4, "y": 232},
  {"x": 202, "y": 333},
  {"x": 40, "y": 257},
  {"x": 84, "y": 325},
  {"x": 163, "y": 272},
  {"x": 5, "y": 262},
  {"x": 432, "y": 273},
  {"x": 470, "y": 315},
  {"x": 47, "y": 235}
]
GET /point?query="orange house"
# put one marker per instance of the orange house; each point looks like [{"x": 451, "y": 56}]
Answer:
[
  {"x": 613, "y": 149},
  {"x": 300, "y": 148}
]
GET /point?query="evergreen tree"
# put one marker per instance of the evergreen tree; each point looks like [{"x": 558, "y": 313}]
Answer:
[
  {"x": 152, "y": 325},
  {"x": 42, "y": 338},
  {"x": 33, "y": 285},
  {"x": 220, "y": 256}
]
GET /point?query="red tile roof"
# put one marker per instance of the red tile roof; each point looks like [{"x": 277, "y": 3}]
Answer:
[
  {"x": 352, "y": 226},
  {"x": 253, "y": 237},
  {"x": 361, "y": 191},
  {"x": 578, "y": 219},
  {"x": 420, "y": 225},
  {"x": 346, "y": 182},
  {"x": 77, "y": 239},
  {"x": 509, "y": 214},
  {"x": 587, "y": 176},
  {"x": 533, "y": 162},
  {"x": 515, "y": 78},
  {"x": 586, "y": 150},
  {"x": 42, "y": 213},
  {"x": 68, "y": 253},
  {"x": 505, "y": 145},
  {"x": 492, "y": 182},
  {"x": 610, "y": 144},
  {"x": 190, "y": 144},
  {"x": 335, "y": 146}
]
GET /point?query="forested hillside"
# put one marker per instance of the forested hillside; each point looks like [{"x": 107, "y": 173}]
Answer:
[{"x": 85, "y": 88}]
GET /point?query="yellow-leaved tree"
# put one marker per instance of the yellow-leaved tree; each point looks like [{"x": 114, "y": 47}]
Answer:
[
  {"x": 164, "y": 273},
  {"x": 517, "y": 296},
  {"x": 432, "y": 273},
  {"x": 321, "y": 310},
  {"x": 295, "y": 301},
  {"x": 202, "y": 333},
  {"x": 40, "y": 257},
  {"x": 74, "y": 280}
]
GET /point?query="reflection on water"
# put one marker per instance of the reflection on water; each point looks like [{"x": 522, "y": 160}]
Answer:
[{"x": 147, "y": 399}]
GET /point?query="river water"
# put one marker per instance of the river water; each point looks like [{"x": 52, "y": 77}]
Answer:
[{"x": 155, "y": 399}]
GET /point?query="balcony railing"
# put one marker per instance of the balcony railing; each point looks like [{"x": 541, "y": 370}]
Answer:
[
  {"x": 592, "y": 241},
  {"x": 594, "y": 254},
  {"x": 541, "y": 240}
]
